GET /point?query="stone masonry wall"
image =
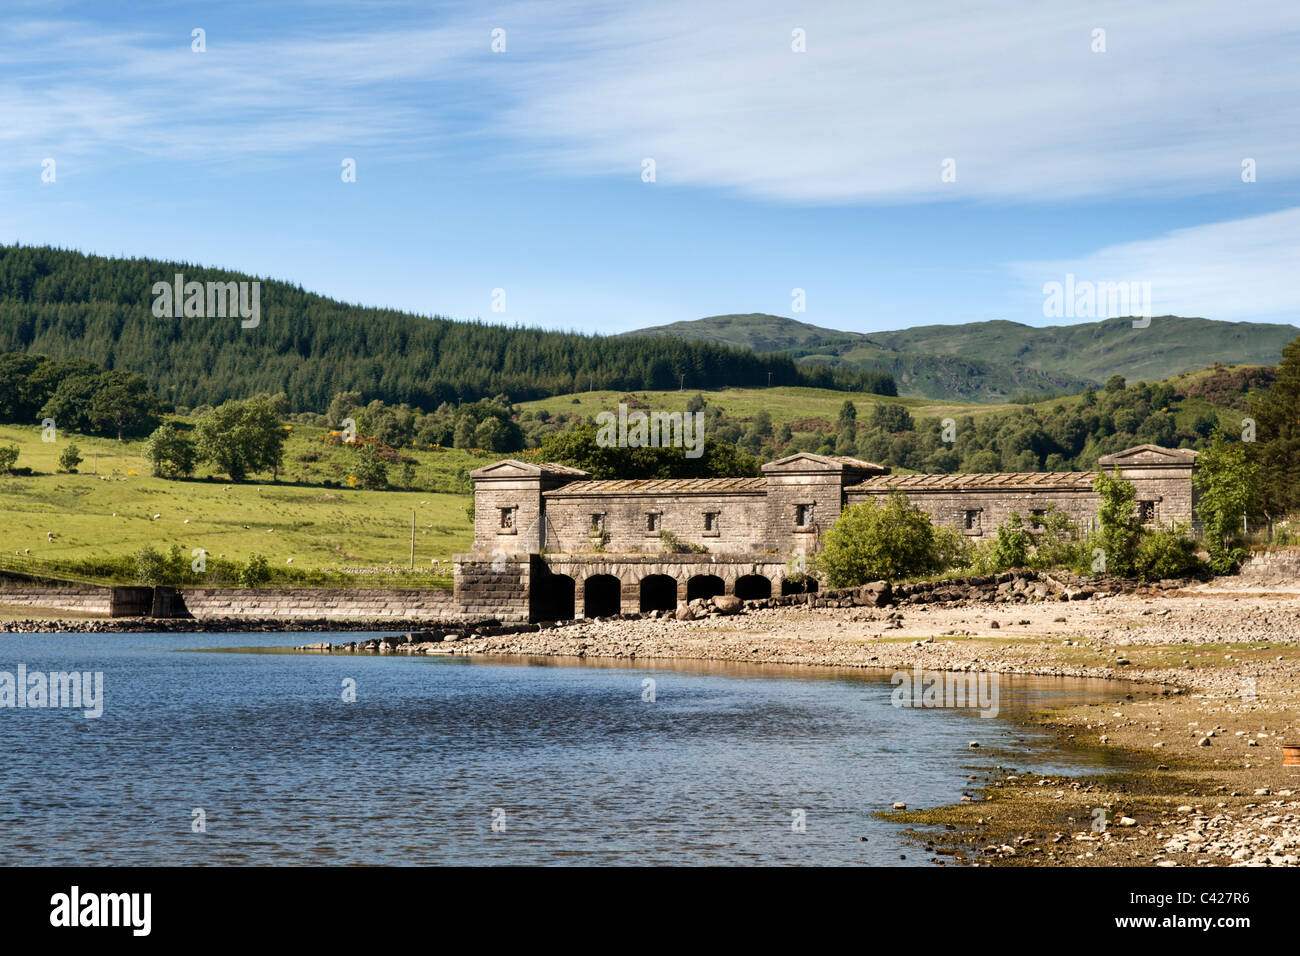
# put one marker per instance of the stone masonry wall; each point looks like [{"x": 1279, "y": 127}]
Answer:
[
  {"x": 949, "y": 506},
  {"x": 741, "y": 522},
  {"x": 357, "y": 604},
  {"x": 86, "y": 600},
  {"x": 488, "y": 587}
]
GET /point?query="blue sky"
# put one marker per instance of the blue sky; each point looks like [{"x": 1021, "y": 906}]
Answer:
[{"x": 774, "y": 169}]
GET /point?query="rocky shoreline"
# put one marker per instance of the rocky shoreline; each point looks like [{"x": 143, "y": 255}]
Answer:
[{"x": 1196, "y": 774}]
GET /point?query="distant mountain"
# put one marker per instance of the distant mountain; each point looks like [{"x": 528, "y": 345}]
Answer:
[
  {"x": 755, "y": 330},
  {"x": 994, "y": 361}
]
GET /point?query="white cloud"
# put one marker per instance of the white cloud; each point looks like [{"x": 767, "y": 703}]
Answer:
[
  {"x": 1244, "y": 269},
  {"x": 1009, "y": 90}
]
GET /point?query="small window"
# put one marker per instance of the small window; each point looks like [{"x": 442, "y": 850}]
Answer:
[
  {"x": 973, "y": 520},
  {"x": 711, "y": 521},
  {"x": 1036, "y": 519},
  {"x": 508, "y": 518},
  {"x": 598, "y": 522},
  {"x": 803, "y": 516},
  {"x": 1146, "y": 511},
  {"x": 652, "y": 521}
]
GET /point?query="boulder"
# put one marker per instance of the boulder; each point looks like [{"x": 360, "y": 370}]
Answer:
[
  {"x": 727, "y": 604},
  {"x": 685, "y": 612}
]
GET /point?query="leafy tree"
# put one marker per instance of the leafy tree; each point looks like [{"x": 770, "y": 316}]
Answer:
[
  {"x": 892, "y": 418},
  {"x": 872, "y": 541},
  {"x": 8, "y": 458},
  {"x": 579, "y": 448},
  {"x": 1276, "y": 449},
  {"x": 369, "y": 469},
  {"x": 171, "y": 452},
  {"x": 1225, "y": 480},
  {"x": 123, "y": 404},
  {"x": 69, "y": 458},
  {"x": 1119, "y": 528},
  {"x": 342, "y": 406},
  {"x": 240, "y": 438}
]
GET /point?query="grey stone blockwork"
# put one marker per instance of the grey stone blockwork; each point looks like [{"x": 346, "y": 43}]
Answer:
[{"x": 549, "y": 542}]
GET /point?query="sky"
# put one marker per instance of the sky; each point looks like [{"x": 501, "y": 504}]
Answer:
[{"x": 609, "y": 166}]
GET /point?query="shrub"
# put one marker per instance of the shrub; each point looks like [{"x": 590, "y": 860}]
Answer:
[
  {"x": 150, "y": 567},
  {"x": 1010, "y": 547},
  {"x": 872, "y": 541},
  {"x": 256, "y": 573},
  {"x": 1167, "y": 553},
  {"x": 1059, "y": 544},
  {"x": 70, "y": 458},
  {"x": 8, "y": 456},
  {"x": 675, "y": 545}
]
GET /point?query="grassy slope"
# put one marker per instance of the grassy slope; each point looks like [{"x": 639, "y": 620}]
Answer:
[
  {"x": 989, "y": 361},
  {"x": 318, "y": 527},
  {"x": 784, "y": 404},
  {"x": 322, "y": 527},
  {"x": 1097, "y": 350},
  {"x": 758, "y": 331}
]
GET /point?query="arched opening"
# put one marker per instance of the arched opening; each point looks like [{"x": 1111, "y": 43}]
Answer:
[
  {"x": 551, "y": 598},
  {"x": 704, "y": 586},
  {"x": 753, "y": 587},
  {"x": 658, "y": 593},
  {"x": 601, "y": 596},
  {"x": 804, "y": 585}
]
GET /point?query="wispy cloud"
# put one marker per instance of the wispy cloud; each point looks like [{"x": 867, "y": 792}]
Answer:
[
  {"x": 1011, "y": 91},
  {"x": 1240, "y": 270}
]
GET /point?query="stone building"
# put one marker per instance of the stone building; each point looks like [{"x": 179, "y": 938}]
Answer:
[{"x": 551, "y": 543}]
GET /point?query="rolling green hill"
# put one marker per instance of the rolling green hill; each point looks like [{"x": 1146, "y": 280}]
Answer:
[
  {"x": 995, "y": 361},
  {"x": 67, "y": 305}
]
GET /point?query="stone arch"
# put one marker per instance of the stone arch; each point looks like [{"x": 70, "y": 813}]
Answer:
[
  {"x": 804, "y": 585},
  {"x": 704, "y": 586},
  {"x": 658, "y": 592},
  {"x": 753, "y": 587},
  {"x": 550, "y": 598},
  {"x": 601, "y": 596}
]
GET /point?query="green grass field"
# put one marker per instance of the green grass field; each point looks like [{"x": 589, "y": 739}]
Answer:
[
  {"x": 114, "y": 507},
  {"x": 109, "y": 508},
  {"x": 783, "y": 404}
]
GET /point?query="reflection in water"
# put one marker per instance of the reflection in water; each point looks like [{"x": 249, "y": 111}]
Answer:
[{"x": 582, "y": 762}]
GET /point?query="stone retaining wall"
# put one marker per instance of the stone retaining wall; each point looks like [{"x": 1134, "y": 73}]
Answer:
[
  {"x": 358, "y": 604},
  {"x": 86, "y": 600},
  {"x": 1281, "y": 566}
]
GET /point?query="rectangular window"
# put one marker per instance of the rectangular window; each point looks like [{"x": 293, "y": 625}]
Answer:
[
  {"x": 652, "y": 521},
  {"x": 972, "y": 520},
  {"x": 803, "y": 516},
  {"x": 1036, "y": 519},
  {"x": 508, "y": 518},
  {"x": 598, "y": 522},
  {"x": 711, "y": 522},
  {"x": 1146, "y": 511}
]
